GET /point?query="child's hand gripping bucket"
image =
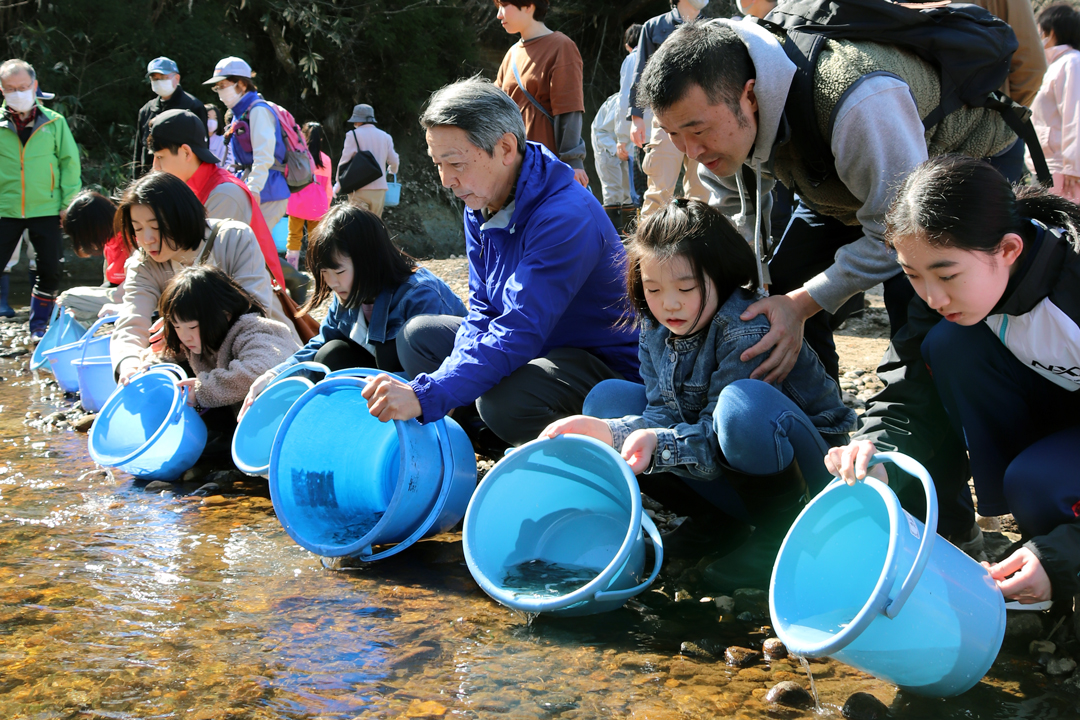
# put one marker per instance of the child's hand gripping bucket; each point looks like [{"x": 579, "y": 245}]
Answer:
[
  {"x": 254, "y": 436},
  {"x": 861, "y": 580},
  {"x": 146, "y": 427},
  {"x": 344, "y": 483},
  {"x": 556, "y": 527},
  {"x": 63, "y": 329}
]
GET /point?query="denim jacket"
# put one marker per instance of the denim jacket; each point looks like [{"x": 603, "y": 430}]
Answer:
[
  {"x": 422, "y": 294},
  {"x": 684, "y": 376}
]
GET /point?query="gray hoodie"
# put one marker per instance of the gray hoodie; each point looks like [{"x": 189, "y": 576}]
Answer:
[{"x": 877, "y": 140}]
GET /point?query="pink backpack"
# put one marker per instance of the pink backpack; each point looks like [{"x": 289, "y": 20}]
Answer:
[{"x": 299, "y": 166}]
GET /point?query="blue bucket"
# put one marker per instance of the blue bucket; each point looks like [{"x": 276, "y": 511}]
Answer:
[
  {"x": 861, "y": 580},
  {"x": 147, "y": 429},
  {"x": 97, "y": 381},
  {"x": 566, "y": 508},
  {"x": 63, "y": 329},
  {"x": 61, "y": 358},
  {"x": 393, "y": 191},
  {"x": 254, "y": 436},
  {"x": 366, "y": 483}
]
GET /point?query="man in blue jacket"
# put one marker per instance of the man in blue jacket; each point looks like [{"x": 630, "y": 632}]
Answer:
[{"x": 546, "y": 282}]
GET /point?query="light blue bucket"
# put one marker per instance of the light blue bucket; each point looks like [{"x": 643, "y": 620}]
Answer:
[
  {"x": 365, "y": 484},
  {"x": 254, "y": 435},
  {"x": 97, "y": 381},
  {"x": 147, "y": 429},
  {"x": 393, "y": 191},
  {"x": 568, "y": 503},
  {"x": 861, "y": 580},
  {"x": 63, "y": 329},
  {"x": 61, "y": 358}
]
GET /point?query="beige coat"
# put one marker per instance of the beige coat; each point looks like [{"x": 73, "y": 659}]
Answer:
[
  {"x": 1028, "y": 63},
  {"x": 252, "y": 346},
  {"x": 236, "y": 252}
]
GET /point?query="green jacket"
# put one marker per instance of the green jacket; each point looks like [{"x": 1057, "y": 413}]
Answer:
[{"x": 46, "y": 174}]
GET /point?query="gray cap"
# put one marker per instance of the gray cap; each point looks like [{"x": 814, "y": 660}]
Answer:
[
  {"x": 230, "y": 67},
  {"x": 362, "y": 113},
  {"x": 162, "y": 65}
]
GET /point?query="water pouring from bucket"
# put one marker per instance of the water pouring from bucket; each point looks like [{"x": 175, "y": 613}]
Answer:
[
  {"x": 557, "y": 527},
  {"x": 861, "y": 580}
]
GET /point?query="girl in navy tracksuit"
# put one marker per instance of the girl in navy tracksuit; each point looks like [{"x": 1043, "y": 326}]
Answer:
[{"x": 1002, "y": 268}]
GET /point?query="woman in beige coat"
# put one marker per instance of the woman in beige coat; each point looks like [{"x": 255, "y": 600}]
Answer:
[{"x": 166, "y": 228}]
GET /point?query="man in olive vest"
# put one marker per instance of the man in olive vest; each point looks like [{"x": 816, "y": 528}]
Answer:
[{"x": 720, "y": 89}]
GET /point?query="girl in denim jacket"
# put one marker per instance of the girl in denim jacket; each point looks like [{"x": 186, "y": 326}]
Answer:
[
  {"x": 742, "y": 444},
  {"x": 373, "y": 289}
]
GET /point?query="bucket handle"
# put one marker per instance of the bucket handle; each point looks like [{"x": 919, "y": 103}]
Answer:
[
  {"x": 169, "y": 368},
  {"x": 93, "y": 329},
  {"x": 658, "y": 560},
  {"x": 913, "y": 468}
]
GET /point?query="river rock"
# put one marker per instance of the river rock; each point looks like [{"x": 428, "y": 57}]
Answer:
[
  {"x": 741, "y": 657},
  {"x": 725, "y": 604},
  {"x": 1038, "y": 647},
  {"x": 864, "y": 706},
  {"x": 1060, "y": 666},
  {"x": 774, "y": 649},
  {"x": 557, "y": 703},
  {"x": 751, "y": 600},
  {"x": 158, "y": 486},
  {"x": 692, "y": 649},
  {"x": 1022, "y": 627},
  {"x": 83, "y": 423},
  {"x": 789, "y": 693}
]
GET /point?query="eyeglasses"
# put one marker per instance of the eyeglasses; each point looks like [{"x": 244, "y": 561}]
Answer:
[{"x": 221, "y": 85}]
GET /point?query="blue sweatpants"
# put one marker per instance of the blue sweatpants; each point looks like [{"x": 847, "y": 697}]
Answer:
[{"x": 1022, "y": 431}]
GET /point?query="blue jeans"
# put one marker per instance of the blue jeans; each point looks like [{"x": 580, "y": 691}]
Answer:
[
  {"x": 1022, "y": 431},
  {"x": 760, "y": 431}
]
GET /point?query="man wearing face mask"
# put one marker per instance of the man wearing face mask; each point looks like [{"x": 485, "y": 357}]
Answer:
[
  {"x": 663, "y": 161},
  {"x": 164, "y": 79},
  {"x": 38, "y": 141}
]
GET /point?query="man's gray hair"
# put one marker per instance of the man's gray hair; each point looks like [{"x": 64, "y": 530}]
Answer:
[
  {"x": 478, "y": 107},
  {"x": 10, "y": 67}
]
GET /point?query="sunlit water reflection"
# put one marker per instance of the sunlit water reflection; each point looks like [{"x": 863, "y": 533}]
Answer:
[{"x": 115, "y": 603}]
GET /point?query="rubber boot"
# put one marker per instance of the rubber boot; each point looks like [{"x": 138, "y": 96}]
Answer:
[
  {"x": 614, "y": 214},
  {"x": 773, "y": 501},
  {"x": 5, "y": 283},
  {"x": 40, "y": 309}
]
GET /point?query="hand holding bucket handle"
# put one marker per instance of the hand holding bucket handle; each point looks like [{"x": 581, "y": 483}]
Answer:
[
  {"x": 658, "y": 550},
  {"x": 913, "y": 468}
]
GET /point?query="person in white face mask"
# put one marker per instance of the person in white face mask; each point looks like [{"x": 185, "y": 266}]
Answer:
[
  {"x": 38, "y": 141},
  {"x": 164, "y": 77}
]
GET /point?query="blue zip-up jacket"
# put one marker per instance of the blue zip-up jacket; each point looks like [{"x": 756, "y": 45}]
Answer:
[
  {"x": 684, "y": 377},
  {"x": 547, "y": 271},
  {"x": 276, "y": 187},
  {"x": 424, "y": 293}
]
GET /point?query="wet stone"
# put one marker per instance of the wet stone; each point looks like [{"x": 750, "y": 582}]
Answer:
[
  {"x": 864, "y": 706},
  {"x": 789, "y": 693},
  {"x": 751, "y": 600},
  {"x": 556, "y": 703},
  {"x": 158, "y": 486},
  {"x": 1022, "y": 627},
  {"x": 1037, "y": 647},
  {"x": 83, "y": 424},
  {"x": 725, "y": 604},
  {"x": 1060, "y": 666},
  {"x": 774, "y": 649},
  {"x": 741, "y": 657}
]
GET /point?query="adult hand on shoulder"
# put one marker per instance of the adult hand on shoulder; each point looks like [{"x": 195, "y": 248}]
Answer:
[
  {"x": 637, "y": 133},
  {"x": 253, "y": 392},
  {"x": 579, "y": 425},
  {"x": 786, "y": 314},
  {"x": 638, "y": 449},
  {"x": 391, "y": 399},
  {"x": 582, "y": 177},
  {"x": 850, "y": 462},
  {"x": 1021, "y": 577}
]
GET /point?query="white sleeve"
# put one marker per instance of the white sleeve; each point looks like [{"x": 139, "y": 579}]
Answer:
[{"x": 263, "y": 128}]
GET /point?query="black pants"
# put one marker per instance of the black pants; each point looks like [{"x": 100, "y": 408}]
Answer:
[
  {"x": 808, "y": 248},
  {"x": 47, "y": 240},
  {"x": 525, "y": 402},
  {"x": 341, "y": 354}
]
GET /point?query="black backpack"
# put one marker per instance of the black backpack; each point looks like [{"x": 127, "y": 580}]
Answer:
[{"x": 969, "y": 46}]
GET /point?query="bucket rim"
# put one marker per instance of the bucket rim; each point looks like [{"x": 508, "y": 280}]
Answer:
[
  {"x": 352, "y": 381},
  {"x": 112, "y": 461},
  {"x": 295, "y": 369},
  {"x": 287, "y": 382},
  {"x": 878, "y": 599},
  {"x": 597, "y": 584}
]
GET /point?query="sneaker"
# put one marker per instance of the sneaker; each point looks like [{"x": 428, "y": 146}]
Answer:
[{"x": 971, "y": 543}]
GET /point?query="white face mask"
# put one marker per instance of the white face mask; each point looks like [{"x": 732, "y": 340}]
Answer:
[
  {"x": 229, "y": 95},
  {"x": 698, "y": 5},
  {"x": 20, "y": 101},
  {"x": 163, "y": 88},
  {"x": 211, "y": 126}
]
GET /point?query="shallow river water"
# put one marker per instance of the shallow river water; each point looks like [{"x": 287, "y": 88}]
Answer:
[{"x": 117, "y": 603}]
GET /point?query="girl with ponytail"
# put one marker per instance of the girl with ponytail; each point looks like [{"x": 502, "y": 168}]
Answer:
[{"x": 1001, "y": 267}]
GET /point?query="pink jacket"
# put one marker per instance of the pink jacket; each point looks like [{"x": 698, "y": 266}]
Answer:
[
  {"x": 312, "y": 202},
  {"x": 1056, "y": 111}
]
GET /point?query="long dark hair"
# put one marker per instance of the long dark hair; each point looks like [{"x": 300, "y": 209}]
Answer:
[
  {"x": 206, "y": 295},
  {"x": 88, "y": 221},
  {"x": 378, "y": 264},
  {"x": 220, "y": 120},
  {"x": 314, "y": 134},
  {"x": 695, "y": 231},
  {"x": 180, "y": 216},
  {"x": 1063, "y": 21},
  {"x": 958, "y": 201}
]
